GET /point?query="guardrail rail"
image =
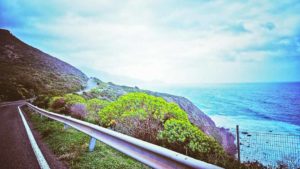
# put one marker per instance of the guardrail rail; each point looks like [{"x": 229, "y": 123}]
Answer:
[{"x": 152, "y": 155}]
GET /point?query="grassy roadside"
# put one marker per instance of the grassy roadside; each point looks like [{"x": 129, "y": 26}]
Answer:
[{"x": 71, "y": 146}]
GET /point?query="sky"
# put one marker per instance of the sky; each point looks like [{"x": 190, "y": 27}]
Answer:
[{"x": 164, "y": 42}]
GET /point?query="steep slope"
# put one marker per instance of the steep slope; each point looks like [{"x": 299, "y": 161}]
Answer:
[{"x": 26, "y": 71}]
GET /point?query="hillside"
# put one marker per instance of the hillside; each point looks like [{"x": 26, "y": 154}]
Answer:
[{"x": 27, "y": 71}]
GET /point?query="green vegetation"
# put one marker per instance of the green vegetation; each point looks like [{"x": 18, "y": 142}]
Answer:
[
  {"x": 93, "y": 107},
  {"x": 27, "y": 72},
  {"x": 155, "y": 120},
  {"x": 76, "y": 106},
  {"x": 71, "y": 146},
  {"x": 57, "y": 104},
  {"x": 183, "y": 135},
  {"x": 74, "y": 99},
  {"x": 142, "y": 106},
  {"x": 42, "y": 101},
  {"x": 140, "y": 115},
  {"x": 103, "y": 91},
  {"x": 109, "y": 91}
]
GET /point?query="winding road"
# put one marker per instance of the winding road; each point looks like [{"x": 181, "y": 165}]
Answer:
[{"x": 15, "y": 149}]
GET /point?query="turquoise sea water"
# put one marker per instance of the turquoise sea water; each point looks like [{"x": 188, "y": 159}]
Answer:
[
  {"x": 268, "y": 116},
  {"x": 253, "y": 106}
]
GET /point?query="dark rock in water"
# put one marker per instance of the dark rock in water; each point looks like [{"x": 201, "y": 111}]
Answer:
[
  {"x": 244, "y": 132},
  {"x": 249, "y": 135}
]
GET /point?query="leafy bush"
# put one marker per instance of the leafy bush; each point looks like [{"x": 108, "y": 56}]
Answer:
[
  {"x": 73, "y": 99},
  {"x": 146, "y": 129},
  {"x": 155, "y": 120},
  {"x": 93, "y": 107},
  {"x": 187, "y": 138},
  {"x": 140, "y": 115},
  {"x": 42, "y": 101},
  {"x": 71, "y": 104},
  {"x": 140, "y": 105},
  {"x": 57, "y": 104},
  {"x": 76, "y": 106}
]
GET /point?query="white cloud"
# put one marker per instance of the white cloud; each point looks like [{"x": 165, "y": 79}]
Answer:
[{"x": 184, "y": 42}]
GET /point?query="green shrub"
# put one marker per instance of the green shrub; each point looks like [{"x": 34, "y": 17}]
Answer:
[
  {"x": 93, "y": 107},
  {"x": 57, "y": 103},
  {"x": 96, "y": 104},
  {"x": 155, "y": 120},
  {"x": 187, "y": 138},
  {"x": 73, "y": 99},
  {"x": 68, "y": 104},
  {"x": 140, "y": 105},
  {"x": 42, "y": 101}
]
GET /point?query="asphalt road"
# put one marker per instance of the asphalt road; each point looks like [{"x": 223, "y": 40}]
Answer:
[{"x": 15, "y": 149}]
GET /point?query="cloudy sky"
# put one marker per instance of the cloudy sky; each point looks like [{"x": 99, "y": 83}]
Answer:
[{"x": 170, "y": 42}]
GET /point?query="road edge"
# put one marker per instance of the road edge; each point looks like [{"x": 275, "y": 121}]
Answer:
[{"x": 38, "y": 153}]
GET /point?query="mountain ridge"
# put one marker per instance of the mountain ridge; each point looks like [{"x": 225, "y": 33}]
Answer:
[{"x": 27, "y": 71}]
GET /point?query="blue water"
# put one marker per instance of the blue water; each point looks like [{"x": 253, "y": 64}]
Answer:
[
  {"x": 253, "y": 106},
  {"x": 269, "y": 113}
]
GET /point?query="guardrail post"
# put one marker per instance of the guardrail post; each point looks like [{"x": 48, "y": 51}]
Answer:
[
  {"x": 66, "y": 126},
  {"x": 92, "y": 144}
]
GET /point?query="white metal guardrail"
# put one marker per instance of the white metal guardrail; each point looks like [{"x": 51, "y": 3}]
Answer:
[
  {"x": 12, "y": 103},
  {"x": 147, "y": 153}
]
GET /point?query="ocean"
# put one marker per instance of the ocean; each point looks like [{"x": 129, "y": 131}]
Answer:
[
  {"x": 268, "y": 115},
  {"x": 252, "y": 106}
]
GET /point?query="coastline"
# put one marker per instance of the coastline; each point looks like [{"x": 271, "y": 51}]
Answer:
[{"x": 266, "y": 114}]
